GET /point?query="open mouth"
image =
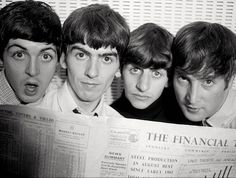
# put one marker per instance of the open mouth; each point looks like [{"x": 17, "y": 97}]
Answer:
[{"x": 31, "y": 89}]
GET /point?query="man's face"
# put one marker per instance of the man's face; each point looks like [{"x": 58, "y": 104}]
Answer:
[
  {"x": 199, "y": 98},
  {"x": 29, "y": 67},
  {"x": 90, "y": 71},
  {"x": 143, "y": 86}
]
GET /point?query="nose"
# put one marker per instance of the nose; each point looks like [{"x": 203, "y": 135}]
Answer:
[
  {"x": 193, "y": 93},
  {"x": 92, "y": 68},
  {"x": 143, "y": 82},
  {"x": 32, "y": 67}
]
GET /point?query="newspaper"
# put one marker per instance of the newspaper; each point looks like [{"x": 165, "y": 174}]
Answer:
[{"x": 42, "y": 143}]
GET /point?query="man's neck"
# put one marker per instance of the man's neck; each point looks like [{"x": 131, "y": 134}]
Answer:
[{"x": 85, "y": 107}]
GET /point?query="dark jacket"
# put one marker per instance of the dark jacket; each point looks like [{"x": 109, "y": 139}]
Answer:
[
  {"x": 155, "y": 112},
  {"x": 164, "y": 109}
]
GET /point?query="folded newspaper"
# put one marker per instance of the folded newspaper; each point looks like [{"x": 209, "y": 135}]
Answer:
[{"x": 43, "y": 143}]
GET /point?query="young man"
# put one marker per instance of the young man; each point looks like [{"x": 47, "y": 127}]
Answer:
[
  {"x": 94, "y": 40},
  {"x": 30, "y": 38},
  {"x": 145, "y": 73},
  {"x": 204, "y": 56}
]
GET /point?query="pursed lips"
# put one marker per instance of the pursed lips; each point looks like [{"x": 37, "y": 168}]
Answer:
[
  {"x": 192, "y": 108},
  {"x": 90, "y": 84},
  {"x": 141, "y": 97}
]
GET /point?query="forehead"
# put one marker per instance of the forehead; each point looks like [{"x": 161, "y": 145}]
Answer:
[{"x": 29, "y": 45}]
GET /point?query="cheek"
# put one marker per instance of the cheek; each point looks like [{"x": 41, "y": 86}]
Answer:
[
  {"x": 108, "y": 71},
  {"x": 47, "y": 72},
  {"x": 14, "y": 72},
  {"x": 129, "y": 81},
  {"x": 180, "y": 91},
  {"x": 215, "y": 99},
  {"x": 213, "y": 102},
  {"x": 13, "y": 67},
  {"x": 75, "y": 70},
  {"x": 157, "y": 88}
]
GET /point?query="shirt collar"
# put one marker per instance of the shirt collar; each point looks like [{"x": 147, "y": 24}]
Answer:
[
  {"x": 96, "y": 112},
  {"x": 6, "y": 91},
  {"x": 67, "y": 103},
  {"x": 65, "y": 100}
]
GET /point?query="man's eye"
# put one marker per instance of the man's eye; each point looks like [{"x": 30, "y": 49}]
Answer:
[
  {"x": 156, "y": 74},
  {"x": 135, "y": 70},
  {"x": 182, "y": 79},
  {"x": 46, "y": 57},
  {"x": 107, "y": 59},
  {"x": 208, "y": 83},
  {"x": 18, "y": 55},
  {"x": 80, "y": 55}
]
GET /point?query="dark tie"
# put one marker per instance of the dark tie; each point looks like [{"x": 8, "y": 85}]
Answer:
[{"x": 76, "y": 111}]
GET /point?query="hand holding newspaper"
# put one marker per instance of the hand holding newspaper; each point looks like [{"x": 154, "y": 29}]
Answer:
[{"x": 43, "y": 143}]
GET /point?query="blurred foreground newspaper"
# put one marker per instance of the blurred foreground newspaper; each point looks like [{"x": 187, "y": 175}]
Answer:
[{"x": 42, "y": 143}]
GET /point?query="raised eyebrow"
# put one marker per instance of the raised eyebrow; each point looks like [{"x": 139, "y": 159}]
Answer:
[
  {"x": 48, "y": 48},
  {"x": 16, "y": 45},
  {"x": 81, "y": 49},
  {"x": 22, "y": 47},
  {"x": 109, "y": 54}
]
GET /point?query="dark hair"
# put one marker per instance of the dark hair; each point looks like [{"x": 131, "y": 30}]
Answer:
[
  {"x": 98, "y": 26},
  {"x": 30, "y": 20},
  {"x": 201, "y": 48},
  {"x": 150, "y": 46}
]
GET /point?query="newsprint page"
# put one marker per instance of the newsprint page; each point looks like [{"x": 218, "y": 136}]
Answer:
[{"x": 42, "y": 143}]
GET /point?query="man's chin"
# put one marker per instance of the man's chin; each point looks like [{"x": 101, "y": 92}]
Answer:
[
  {"x": 193, "y": 117},
  {"x": 140, "y": 105},
  {"x": 29, "y": 99}
]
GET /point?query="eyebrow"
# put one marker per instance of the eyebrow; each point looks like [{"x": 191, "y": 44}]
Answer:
[
  {"x": 16, "y": 45},
  {"x": 109, "y": 54},
  {"x": 79, "y": 48},
  {"x": 210, "y": 76},
  {"x": 88, "y": 53},
  {"x": 22, "y": 47},
  {"x": 48, "y": 48}
]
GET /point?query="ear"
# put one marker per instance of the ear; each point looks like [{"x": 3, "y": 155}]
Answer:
[
  {"x": 232, "y": 81},
  {"x": 63, "y": 61},
  {"x": 167, "y": 83},
  {"x": 118, "y": 74}
]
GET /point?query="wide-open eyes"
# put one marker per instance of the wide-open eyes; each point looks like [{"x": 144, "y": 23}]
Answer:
[
  {"x": 108, "y": 59},
  {"x": 19, "y": 55}
]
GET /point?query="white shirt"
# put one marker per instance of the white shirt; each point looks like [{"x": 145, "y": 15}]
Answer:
[
  {"x": 225, "y": 117},
  {"x": 61, "y": 100}
]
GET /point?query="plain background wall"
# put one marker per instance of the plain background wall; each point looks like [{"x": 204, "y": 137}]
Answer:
[{"x": 171, "y": 14}]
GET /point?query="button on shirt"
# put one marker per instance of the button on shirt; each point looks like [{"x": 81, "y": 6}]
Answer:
[
  {"x": 7, "y": 95},
  {"x": 61, "y": 100}
]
